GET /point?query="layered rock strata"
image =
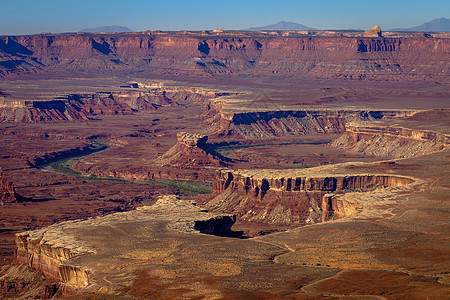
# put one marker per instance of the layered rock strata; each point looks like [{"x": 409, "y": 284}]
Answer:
[
  {"x": 174, "y": 53},
  {"x": 191, "y": 158},
  {"x": 84, "y": 106},
  {"x": 54, "y": 249},
  {"x": 395, "y": 142},
  {"x": 285, "y": 123},
  {"x": 271, "y": 198}
]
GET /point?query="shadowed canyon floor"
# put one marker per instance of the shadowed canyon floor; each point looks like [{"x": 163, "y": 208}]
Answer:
[{"x": 242, "y": 180}]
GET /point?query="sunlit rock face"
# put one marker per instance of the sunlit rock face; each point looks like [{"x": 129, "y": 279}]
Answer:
[
  {"x": 191, "y": 139},
  {"x": 328, "y": 57},
  {"x": 271, "y": 197},
  {"x": 395, "y": 142},
  {"x": 375, "y": 31},
  {"x": 54, "y": 250}
]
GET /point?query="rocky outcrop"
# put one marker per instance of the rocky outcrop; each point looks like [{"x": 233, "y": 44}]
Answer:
[
  {"x": 192, "y": 150},
  {"x": 40, "y": 111},
  {"x": 7, "y": 194},
  {"x": 191, "y": 155},
  {"x": 191, "y": 139},
  {"x": 259, "y": 186},
  {"x": 292, "y": 200},
  {"x": 191, "y": 158},
  {"x": 375, "y": 31},
  {"x": 174, "y": 53},
  {"x": 394, "y": 142}
]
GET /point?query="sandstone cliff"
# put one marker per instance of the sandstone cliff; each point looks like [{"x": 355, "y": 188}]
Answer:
[
  {"x": 54, "y": 250},
  {"x": 49, "y": 250},
  {"x": 283, "y": 200},
  {"x": 84, "y": 106},
  {"x": 284, "y": 123},
  {"x": 178, "y": 54},
  {"x": 394, "y": 142}
]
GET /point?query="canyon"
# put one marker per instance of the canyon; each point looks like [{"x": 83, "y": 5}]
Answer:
[
  {"x": 224, "y": 165},
  {"x": 136, "y": 53},
  {"x": 83, "y": 106}
]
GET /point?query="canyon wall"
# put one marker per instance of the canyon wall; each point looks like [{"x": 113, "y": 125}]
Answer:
[
  {"x": 394, "y": 142},
  {"x": 285, "y": 123},
  {"x": 43, "y": 250},
  {"x": 83, "y": 106},
  {"x": 57, "y": 252},
  {"x": 292, "y": 200},
  {"x": 39, "y": 161},
  {"x": 178, "y": 54}
]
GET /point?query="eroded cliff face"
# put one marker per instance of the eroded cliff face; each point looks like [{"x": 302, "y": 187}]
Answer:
[
  {"x": 84, "y": 106},
  {"x": 287, "y": 123},
  {"x": 21, "y": 282},
  {"x": 292, "y": 200},
  {"x": 175, "y": 54},
  {"x": 395, "y": 142},
  {"x": 54, "y": 250},
  {"x": 48, "y": 251}
]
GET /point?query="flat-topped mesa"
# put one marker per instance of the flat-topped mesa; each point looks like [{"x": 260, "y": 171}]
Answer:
[
  {"x": 7, "y": 194},
  {"x": 227, "y": 120},
  {"x": 192, "y": 139},
  {"x": 57, "y": 250},
  {"x": 293, "y": 200},
  {"x": 375, "y": 31},
  {"x": 393, "y": 142}
]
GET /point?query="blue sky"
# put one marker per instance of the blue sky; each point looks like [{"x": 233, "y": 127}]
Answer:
[{"x": 36, "y": 16}]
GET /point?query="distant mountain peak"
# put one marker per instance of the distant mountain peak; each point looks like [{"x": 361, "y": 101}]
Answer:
[
  {"x": 282, "y": 25},
  {"x": 112, "y": 28},
  {"x": 436, "y": 25}
]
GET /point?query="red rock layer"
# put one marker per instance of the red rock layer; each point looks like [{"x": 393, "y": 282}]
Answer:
[
  {"x": 175, "y": 54},
  {"x": 49, "y": 259},
  {"x": 285, "y": 123},
  {"x": 78, "y": 107},
  {"x": 181, "y": 162},
  {"x": 289, "y": 201}
]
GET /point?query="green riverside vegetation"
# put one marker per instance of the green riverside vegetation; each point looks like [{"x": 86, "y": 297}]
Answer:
[{"x": 185, "y": 187}]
